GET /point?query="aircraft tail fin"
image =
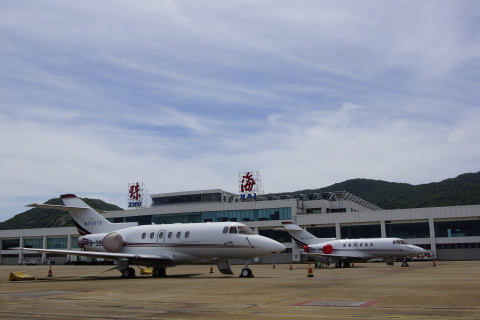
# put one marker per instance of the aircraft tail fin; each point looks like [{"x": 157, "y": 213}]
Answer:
[
  {"x": 300, "y": 236},
  {"x": 86, "y": 219}
]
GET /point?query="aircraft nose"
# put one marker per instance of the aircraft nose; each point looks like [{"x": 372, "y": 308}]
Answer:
[
  {"x": 418, "y": 250},
  {"x": 271, "y": 246}
]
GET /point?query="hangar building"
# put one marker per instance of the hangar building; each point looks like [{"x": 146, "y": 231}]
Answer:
[{"x": 451, "y": 233}]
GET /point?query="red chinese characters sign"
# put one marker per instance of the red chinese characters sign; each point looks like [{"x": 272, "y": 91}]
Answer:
[
  {"x": 135, "y": 192},
  {"x": 247, "y": 183},
  {"x": 250, "y": 185}
]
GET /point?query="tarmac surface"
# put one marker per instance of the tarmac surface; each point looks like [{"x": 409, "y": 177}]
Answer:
[{"x": 450, "y": 290}]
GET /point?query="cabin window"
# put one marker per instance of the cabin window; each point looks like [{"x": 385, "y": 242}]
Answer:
[
  {"x": 360, "y": 244},
  {"x": 366, "y": 244},
  {"x": 225, "y": 230},
  {"x": 371, "y": 244},
  {"x": 160, "y": 235},
  {"x": 152, "y": 235},
  {"x": 187, "y": 234},
  {"x": 233, "y": 229},
  {"x": 354, "y": 244},
  {"x": 143, "y": 235},
  {"x": 344, "y": 245},
  {"x": 349, "y": 245},
  {"x": 179, "y": 234},
  {"x": 169, "y": 235},
  {"x": 245, "y": 230}
]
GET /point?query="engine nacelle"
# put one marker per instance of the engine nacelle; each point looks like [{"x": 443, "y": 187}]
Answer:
[
  {"x": 319, "y": 248},
  {"x": 327, "y": 249},
  {"x": 111, "y": 242}
]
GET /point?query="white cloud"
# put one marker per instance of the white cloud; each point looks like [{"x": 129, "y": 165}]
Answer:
[{"x": 184, "y": 95}]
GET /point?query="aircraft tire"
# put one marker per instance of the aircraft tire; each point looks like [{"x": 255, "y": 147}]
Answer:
[
  {"x": 126, "y": 273},
  {"x": 159, "y": 272},
  {"x": 245, "y": 273}
]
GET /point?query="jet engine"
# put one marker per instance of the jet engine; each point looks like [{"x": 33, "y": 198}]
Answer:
[{"x": 111, "y": 242}]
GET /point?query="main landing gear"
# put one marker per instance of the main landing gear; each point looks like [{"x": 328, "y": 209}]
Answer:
[
  {"x": 246, "y": 272},
  {"x": 159, "y": 272},
  {"x": 344, "y": 265},
  {"x": 128, "y": 273}
]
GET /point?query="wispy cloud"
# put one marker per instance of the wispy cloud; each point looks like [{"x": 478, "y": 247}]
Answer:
[{"x": 185, "y": 95}]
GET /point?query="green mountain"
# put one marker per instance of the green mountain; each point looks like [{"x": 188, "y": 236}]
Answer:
[
  {"x": 462, "y": 190},
  {"x": 47, "y": 218}
]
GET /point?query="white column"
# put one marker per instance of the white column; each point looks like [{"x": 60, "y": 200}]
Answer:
[
  {"x": 20, "y": 254},
  {"x": 383, "y": 229},
  {"x": 69, "y": 245},
  {"x": 432, "y": 237},
  {"x": 44, "y": 246},
  {"x": 337, "y": 230}
]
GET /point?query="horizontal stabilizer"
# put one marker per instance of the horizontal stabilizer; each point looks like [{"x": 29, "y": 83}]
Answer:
[{"x": 59, "y": 207}]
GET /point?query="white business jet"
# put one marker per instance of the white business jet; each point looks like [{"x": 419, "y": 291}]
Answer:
[
  {"x": 161, "y": 246},
  {"x": 346, "y": 251}
]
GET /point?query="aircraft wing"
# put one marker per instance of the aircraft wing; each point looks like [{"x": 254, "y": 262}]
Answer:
[
  {"x": 339, "y": 257},
  {"x": 133, "y": 258}
]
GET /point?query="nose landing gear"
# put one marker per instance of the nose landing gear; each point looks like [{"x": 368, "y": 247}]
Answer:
[{"x": 246, "y": 272}]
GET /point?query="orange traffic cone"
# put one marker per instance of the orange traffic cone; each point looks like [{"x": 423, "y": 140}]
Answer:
[
  {"x": 291, "y": 268},
  {"x": 310, "y": 272},
  {"x": 50, "y": 271},
  {"x": 434, "y": 263},
  {"x": 274, "y": 265},
  {"x": 211, "y": 269}
]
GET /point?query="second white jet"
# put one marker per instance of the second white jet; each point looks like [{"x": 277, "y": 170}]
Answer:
[{"x": 345, "y": 251}]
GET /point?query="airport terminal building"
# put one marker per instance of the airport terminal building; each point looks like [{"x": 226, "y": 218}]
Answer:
[{"x": 450, "y": 233}]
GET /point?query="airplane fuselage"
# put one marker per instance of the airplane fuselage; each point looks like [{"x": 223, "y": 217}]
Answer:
[
  {"x": 363, "y": 249},
  {"x": 185, "y": 242}
]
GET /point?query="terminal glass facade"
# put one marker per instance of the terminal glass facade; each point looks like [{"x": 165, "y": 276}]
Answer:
[
  {"x": 211, "y": 216},
  {"x": 361, "y": 231},
  {"x": 280, "y": 236},
  {"x": 36, "y": 243},
  {"x": 57, "y": 243},
  {"x": 323, "y": 232},
  {"x": 75, "y": 243},
  {"x": 408, "y": 230},
  {"x": 457, "y": 228},
  {"x": 10, "y": 243}
]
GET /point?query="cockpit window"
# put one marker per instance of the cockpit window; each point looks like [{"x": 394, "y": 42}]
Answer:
[
  {"x": 225, "y": 230},
  {"x": 245, "y": 230},
  {"x": 233, "y": 229}
]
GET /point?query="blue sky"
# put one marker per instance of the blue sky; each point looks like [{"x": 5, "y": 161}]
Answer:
[{"x": 184, "y": 95}]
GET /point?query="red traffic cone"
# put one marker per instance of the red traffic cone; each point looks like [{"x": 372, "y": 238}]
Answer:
[
  {"x": 434, "y": 263},
  {"x": 310, "y": 272},
  {"x": 291, "y": 268},
  {"x": 50, "y": 272},
  {"x": 211, "y": 269},
  {"x": 274, "y": 265}
]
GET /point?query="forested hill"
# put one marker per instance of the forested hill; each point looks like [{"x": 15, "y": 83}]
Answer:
[
  {"x": 462, "y": 190},
  {"x": 47, "y": 218}
]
